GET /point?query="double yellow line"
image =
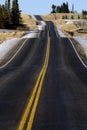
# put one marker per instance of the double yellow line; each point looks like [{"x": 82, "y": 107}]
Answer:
[{"x": 33, "y": 101}]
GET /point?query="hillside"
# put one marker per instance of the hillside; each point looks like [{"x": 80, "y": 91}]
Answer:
[
  {"x": 74, "y": 27},
  {"x": 28, "y": 24}
]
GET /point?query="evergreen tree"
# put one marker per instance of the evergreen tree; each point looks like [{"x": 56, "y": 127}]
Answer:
[
  {"x": 64, "y": 8},
  {"x": 9, "y": 17},
  {"x": 58, "y": 9},
  {"x": 4, "y": 17},
  {"x": 84, "y": 14},
  {"x": 15, "y": 14},
  {"x": 6, "y": 5},
  {"x": 53, "y": 9},
  {"x": 9, "y": 5},
  {"x": 1, "y": 18},
  {"x": 8, "y": 14},
  {"x": 67, "y": 8}
]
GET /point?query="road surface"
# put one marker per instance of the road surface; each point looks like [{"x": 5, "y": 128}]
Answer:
[{"x": 44, "y": 87}]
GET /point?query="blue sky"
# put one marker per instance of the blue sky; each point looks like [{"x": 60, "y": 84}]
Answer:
[{"x": 44, "y": 6}]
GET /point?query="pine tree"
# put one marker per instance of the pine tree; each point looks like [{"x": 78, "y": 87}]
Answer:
[
  {"x": 8, "y": 13},
  {"x": 53, "y": 9},
  {"x": 9, "y": 17},
  {"x": 15, "y": 13},
  {"x": 9, "y": 5},
  {"x": 4, "y": 17},
  {"x": 58, "y": 9},
  {"x": 67, "y": 8},
  {"x": 1, "y": 18},
  {"x": 6, "y": 5},
  {"x": 61, "y": 9}
]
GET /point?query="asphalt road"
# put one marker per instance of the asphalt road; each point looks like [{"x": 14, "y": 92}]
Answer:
[
  {"x": 63, "y": 100},
  {"x": 17, "y": 80},
  {"x": 62, "y": 104}
]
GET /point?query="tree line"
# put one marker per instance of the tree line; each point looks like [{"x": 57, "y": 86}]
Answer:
[
  {"x": 10, "y": 15},
  {"x": 84, "y": 13},
  {"x": 64, "y": 8}
]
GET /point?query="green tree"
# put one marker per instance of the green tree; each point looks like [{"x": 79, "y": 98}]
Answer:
[
  {"x": 4, "y": 17},
  {"x": 67, "y": 8},
  {"x": 53, "y": 8},
  {"x": 58, "y": 9},
  {"x": 1, "y": 18},
  {"x": 9, "y": 16},
  {"x": 15, "y": 14},
  {"x": 6, "y": 5},
  {"x": 9, "y": 5},
  {"x": 64, "y": 8},
  {"x": 84, "y": 14}
]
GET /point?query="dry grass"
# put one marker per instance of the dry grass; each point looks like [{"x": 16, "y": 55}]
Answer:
[
  {"x": 81, "y": 50},
  {"x": 49, "y": 17},
  {"x": 59, "y": 22},
  {"x": 29, "y": 21},
  {"x": 57, "y": 16},
  {"x": 86, "y": 35},
  {"x": 13, "y": 34},
  {"x": 69, "y": 27}
]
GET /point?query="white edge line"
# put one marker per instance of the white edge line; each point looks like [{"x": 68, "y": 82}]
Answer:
[
  {"x": 76, "y": 52},
  {"x": 1, "y": 67}
]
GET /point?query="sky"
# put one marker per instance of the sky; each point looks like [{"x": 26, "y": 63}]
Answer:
[{"x": 42, "y": 7}]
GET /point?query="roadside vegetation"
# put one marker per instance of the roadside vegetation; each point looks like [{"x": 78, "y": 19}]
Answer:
[
  {"x": 11, "y": 34},
  {"x": 64, "y": 8},
  {"x": 12, "y": 19},
  {"x": 16, "y": 23},
  {"x": 10, "y": 16},
  {"x": 74, "y": 25},
  {"x": 67, "y": 13},
  {"x": 29, "y": 24}
]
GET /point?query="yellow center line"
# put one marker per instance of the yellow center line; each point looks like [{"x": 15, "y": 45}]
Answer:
[
  {"x": 31, "y": 119},
  {"x": 37, "y": 86},
  {"x": 27, "y": 110}
]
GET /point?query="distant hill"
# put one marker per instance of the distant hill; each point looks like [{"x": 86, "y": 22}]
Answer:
[{"x": 28, "y": 22}]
